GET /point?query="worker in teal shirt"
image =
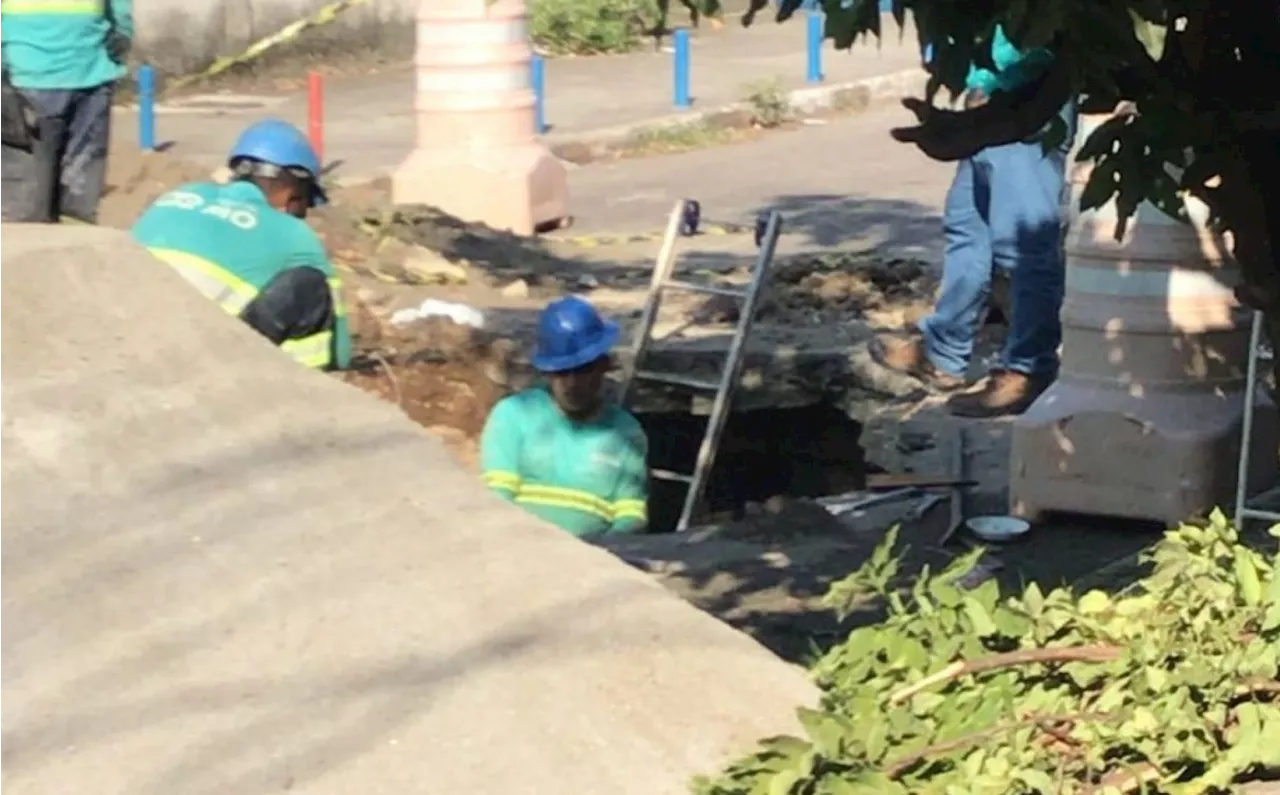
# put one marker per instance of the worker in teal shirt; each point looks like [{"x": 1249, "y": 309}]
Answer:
[
  {"x": 65, "y": 57},
  {"x": 563, "y": 451},
  {"x": 246, "y": 245}
]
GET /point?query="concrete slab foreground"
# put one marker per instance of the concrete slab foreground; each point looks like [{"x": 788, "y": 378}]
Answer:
[{"x": 225, "y": 573}]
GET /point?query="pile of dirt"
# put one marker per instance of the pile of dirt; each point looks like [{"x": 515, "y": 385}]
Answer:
[
  {"x": 829, "y": 288},
  {"x": 443, "y": 375},
  {"x": 421, "y": 245},
  {"x": 136, "y": 178}
]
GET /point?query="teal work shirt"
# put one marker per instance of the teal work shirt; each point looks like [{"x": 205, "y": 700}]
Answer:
[
  {"x": 61, "y": 44},
  {"x": 1013, "y": 68},
  {"x": 584, "y": 477},
  {"x": 230, "y": 243}
]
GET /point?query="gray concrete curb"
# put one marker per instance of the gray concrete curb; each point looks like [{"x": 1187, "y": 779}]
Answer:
[{"x": 849, "y": 97}]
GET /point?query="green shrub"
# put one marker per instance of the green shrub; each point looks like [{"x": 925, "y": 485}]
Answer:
[
  {"x": 770, "y": 106},
  {"x": 588, "y": 27},
  {"x": 1171, "y": 686}
]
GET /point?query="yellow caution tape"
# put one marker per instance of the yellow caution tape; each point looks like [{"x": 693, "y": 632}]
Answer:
[{"x": 322, "y": 16}]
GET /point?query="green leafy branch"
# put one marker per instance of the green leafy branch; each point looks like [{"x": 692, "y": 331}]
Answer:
[{"x": 1170, "y": 686}]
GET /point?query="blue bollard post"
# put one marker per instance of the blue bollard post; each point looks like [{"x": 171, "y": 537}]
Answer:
[
  {"x": 146, "y": 108},
  {"x": 681, "y": 42},
  {"x": 538, "y": 76},
  {"x": 816, "y": 22}
]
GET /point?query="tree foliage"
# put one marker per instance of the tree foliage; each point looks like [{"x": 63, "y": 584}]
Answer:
[
  {"x": 1172, "y": 686},
  {"x": 1202, "y": 75}
]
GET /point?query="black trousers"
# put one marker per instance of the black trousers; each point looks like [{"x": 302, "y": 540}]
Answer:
[{"x": 66, "y": 170}]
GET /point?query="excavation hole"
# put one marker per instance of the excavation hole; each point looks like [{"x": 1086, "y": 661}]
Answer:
[{"x": 765, "y": 454}]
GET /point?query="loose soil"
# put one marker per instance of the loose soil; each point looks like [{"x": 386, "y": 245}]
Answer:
[{"x": 780, "y": 554}]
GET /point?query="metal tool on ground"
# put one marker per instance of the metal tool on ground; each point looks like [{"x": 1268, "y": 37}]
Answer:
[
  {"x": 838, "y": 505},
  {"x": 723, "y": 388},
  {"x": 921, "y": 508},
  {"x": 885, "y": 481}
]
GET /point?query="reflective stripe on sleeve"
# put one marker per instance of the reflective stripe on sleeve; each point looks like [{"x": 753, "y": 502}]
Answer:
[
  {"x": 214, "y": 282},
  {"x": 630, "y": 509},
  {"x": 557, "y": 497},
  {"x": 498, "y": 479},
  {"x": 60, "y": 7},
  {"x": 312, "y": 351}
]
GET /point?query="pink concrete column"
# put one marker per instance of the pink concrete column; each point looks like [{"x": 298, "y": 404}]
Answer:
[
  {"x": 1145, "y": 418},
  {"x": 477, "y": 155}
]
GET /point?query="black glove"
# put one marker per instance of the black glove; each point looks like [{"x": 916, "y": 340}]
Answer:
[
  {"x": 118, "y": 46},
  {"x": 19, "y": 117},
  {"x": 1006, "y": 116}
]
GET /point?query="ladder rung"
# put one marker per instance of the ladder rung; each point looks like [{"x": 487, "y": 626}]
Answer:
[
  {"x": 666, "y": 474},
  {"x": 678, "y": 380},
  {"x": 709, "y": 289}
]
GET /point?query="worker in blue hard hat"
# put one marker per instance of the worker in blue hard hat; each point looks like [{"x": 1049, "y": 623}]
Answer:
[
  {"x": 245, "y": 244},
  {"x": 563, "y": 450}
]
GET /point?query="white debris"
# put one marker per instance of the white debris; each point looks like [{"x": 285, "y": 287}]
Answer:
[{"x": 461, "y": 314}]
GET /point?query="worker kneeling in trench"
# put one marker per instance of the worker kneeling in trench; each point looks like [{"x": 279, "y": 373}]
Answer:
[
  {"x": 563, "y": 450},
  {"x": 246, "y": 246}
]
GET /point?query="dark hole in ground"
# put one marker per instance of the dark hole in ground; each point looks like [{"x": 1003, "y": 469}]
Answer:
[{"x": 811, "y": 451}]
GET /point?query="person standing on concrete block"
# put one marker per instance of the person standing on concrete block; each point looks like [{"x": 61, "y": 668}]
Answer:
[
  {"x": 1003, "y": 210},
  {"x": 65, "y": 56},
  {"x": 245, "y": 244},
  {"x": 564, "y": 451}
]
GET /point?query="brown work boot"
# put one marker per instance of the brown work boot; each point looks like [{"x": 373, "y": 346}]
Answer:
[
  {"x": 905, "y": 354},
  {"x": 1002, "y": 393}
]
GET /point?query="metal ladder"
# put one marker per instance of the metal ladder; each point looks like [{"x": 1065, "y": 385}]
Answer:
[
  {"x": 728, "y": 382},
  {"x": 1244, "y": 510}
]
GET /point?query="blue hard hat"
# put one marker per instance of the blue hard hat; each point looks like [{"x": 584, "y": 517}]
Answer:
[
  {"x": 571, "y": 333},
  {"x": 279, "y": 143}
]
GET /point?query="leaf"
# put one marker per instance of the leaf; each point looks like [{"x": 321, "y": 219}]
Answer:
[
  {"x": 1054, "y": 135},
  {"x": 978, "y": 616},
  {"x": 1103, "y": 139},
  {"x": 1102, "y": 186},
  {"x": 1033, "y": 600},
  {"x": 784, "y": 783},
  {"x": 827, "y": 731},
  {"x": 1037, "y": 780},
  {"x": 785, "y": 745},
  {"x": 1094, "y": 602},
  {"x": 1250, "y": 588},
  {"x": 877, "y": 741},
  {"x": 1151, "y": 35}
]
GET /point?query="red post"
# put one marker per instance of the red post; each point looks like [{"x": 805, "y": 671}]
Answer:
[{"x": 315, "y": 113}]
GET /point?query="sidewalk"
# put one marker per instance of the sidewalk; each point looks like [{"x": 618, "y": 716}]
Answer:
[{"x": 370, "y": 122}]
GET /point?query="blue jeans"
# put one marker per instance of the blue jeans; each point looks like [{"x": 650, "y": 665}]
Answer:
[
  {"x": 85, "y": 115},
  {"x": 1003, "y": 210}
]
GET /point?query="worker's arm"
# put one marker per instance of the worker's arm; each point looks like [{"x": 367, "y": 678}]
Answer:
[
  {"x": 1013, "y": 67},
  {"x": 295, "y": 304},
  {"x": 500, "y": 449},
  {"x": 631, "y": 497},
  {"x": 120, "y": 33},
  {"x": 120, "y": 13}
]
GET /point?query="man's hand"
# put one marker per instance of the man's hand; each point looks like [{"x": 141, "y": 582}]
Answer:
[
  {"x": 118, "y": 46},
  {"x": 1005, "y": 117}
]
